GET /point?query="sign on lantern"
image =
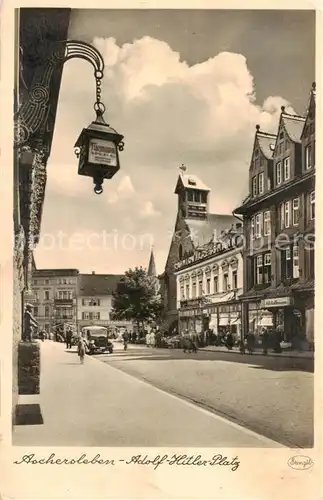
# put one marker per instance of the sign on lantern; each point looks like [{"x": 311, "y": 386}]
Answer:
[{"x": 102, "y": 152}]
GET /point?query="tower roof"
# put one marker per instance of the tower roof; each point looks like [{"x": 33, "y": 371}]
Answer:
[
  {"x": 190, "y": 181},
  {"x": 152, "y": 266}
]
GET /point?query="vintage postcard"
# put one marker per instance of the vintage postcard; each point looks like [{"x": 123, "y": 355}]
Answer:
[{"x": 158, "y": 290}]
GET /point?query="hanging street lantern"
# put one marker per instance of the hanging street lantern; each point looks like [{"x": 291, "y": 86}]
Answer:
[{"x": 97, "y": 149}]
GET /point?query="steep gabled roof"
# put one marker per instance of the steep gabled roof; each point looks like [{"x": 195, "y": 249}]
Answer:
[
  {"x": 310, "y": 106},
  {"x": 266, "y": 143},
  {"x": 190, "y": 181},
  {"x": 203, "y": 232},
  {"x": 293, "y": 125},
  {"x": 91, "y": 285}
]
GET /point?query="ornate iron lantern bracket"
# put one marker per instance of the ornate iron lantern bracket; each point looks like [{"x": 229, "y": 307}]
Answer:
[{"x": 31, "y": 117}]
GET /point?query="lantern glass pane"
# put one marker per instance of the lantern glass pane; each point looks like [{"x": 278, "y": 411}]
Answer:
[{"x": 102, "y": 152}]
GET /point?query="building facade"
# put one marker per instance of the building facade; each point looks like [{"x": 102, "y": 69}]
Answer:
[
  {"x": 94, "y": 301},
  {"x": 36, "y": 32},
  {"x": 209, "y": 285},
  {"x": 279, "y": 229},
  {"x": 195, "y": 226},
  {"x": 54, "y": 298}
]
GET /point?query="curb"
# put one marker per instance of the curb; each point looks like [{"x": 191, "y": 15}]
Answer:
[{"x": 271, "y": 354}]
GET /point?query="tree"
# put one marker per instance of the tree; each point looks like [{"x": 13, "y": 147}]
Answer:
[{"x": 136, "y": 298}]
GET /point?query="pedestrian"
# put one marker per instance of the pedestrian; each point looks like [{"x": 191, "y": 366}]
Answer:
[
  {"x": 229, "y": 342},
  {"x": 242, "y": 347},
  {"x": 29, "y": 323},
  {"x": 42, "y": 335},
  {"x": 81, "y": 349},
  {"x": 265, "y": 340},
  {"x": 250, "y": 342},
  {"x": 278, "y": 337},
  {"x": 125, "y": 337},
  {"x": 69, "y": 336}
]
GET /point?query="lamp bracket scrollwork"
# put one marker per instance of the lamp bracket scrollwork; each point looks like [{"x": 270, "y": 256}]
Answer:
[{"x": 32, "y": 115}]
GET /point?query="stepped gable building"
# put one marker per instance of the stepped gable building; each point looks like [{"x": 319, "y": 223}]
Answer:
[
  {"x": 279, "y": 220},
  {"x": 195, "y": 226},
  {"x": 94, "y": 301}
]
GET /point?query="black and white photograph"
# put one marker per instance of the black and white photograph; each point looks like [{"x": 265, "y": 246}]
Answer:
[{"x": 163, "y": 281}]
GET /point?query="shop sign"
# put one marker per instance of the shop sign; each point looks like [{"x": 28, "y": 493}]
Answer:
[
  {"x": 214, "y": 249},
  {"x": 276, "y": 302}
]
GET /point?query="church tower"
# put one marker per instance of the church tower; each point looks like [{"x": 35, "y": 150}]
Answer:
[
  {"x": 152, "y": 266},
  {"x": 193, "y": 196}
]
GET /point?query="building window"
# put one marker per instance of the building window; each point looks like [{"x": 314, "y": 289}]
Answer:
[
  {"x": 295, "y": 211},
  {"x": 286, "y": 264},
  {"x": 96, "y": 315},
  {"x": 85, "y": 315},
  {"x": 287, "y": 214},
  {"x": 234, "y": 279},
  {"x": 279, "y": 173},
  {"x": 308, "y": 157},
  {"x": 261, "y": 183},
  {"x": 254, "y": 186},
  {"x": 36, "y": 311},
  {"x": 190, "y": 195},
  {"x": 187, "y": 291},
  {"x": 180, "y": 252},
  {"x": 225, "y": 282},
  {"x": 312, "y": 205},
  {"x": 65, "y": 294},
  {"x": 46, "y": 312},
  {"x": 267, "y": 268},
  {"x": 197, "y": 196},
  {"x": 267, "y": 223},
  {"x": 204, "y": 197},
  {"x": 295, "y": 262},
  {"x": 200, "y": 288},
  {"x": 259, "y": 276},
  {"x": 182, "y": 292},
  {"x": 194, "y": 290},
  {"x": 286, "y": 169},
  {"x": 215, "y": 284},
  {"x": 252, "y": 228},
  {"x": 46, "y": 294},
  {"x": 208, "y": 286},
  {"x": 258, "y": 225}
]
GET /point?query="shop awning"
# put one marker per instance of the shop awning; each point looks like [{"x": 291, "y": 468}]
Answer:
[
  {"x": 236, "y": 321},
  {"x": 224, "y": 321},
  {"x": 266, "y": 321}
]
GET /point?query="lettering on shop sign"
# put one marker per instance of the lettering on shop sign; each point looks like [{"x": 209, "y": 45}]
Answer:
[
  {"x": 175, "y": 460},
  {"x": 102, "y": 152},
  {"x": 202, "y": 254}
]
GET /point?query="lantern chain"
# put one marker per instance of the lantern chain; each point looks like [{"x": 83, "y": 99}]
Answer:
[{"x": 98, "y": 105}]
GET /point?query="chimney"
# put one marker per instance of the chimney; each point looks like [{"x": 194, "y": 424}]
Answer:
[{"x": 93, "y": 272}]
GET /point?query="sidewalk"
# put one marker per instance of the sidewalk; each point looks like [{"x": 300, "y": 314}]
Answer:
[
  {"x": 283, "y": 354},
  {"x": 97, "y": 405}
]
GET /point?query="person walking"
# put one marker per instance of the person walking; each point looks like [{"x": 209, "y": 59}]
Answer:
[
  {"x": 229, "y": 342},
  {"x": 81, "y": 349},
  {"x": 250, "y": 342},
  {"x": 265, "y": 341},
  {"x": 29, "y": 323},
  {"x": 125, "y": 337},
  {"x": 69, "y": 336}
]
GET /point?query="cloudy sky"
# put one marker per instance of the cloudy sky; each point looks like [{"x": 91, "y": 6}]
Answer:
[{"x": 182, "y": 87}]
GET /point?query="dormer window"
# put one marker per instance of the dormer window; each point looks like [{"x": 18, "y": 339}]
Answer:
[
  {"x": 286, "y": 169},
  {"x": 254, "y": 186},
  {"x": 191, "y": 182},
  {"x": 261, "y": 183},
  {"x": 278, "y": 173}
]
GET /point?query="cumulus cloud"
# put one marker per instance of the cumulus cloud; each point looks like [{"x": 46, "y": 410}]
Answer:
[
  {"x": 148, "y": 210},
  {"x": 170, "y": 113}
]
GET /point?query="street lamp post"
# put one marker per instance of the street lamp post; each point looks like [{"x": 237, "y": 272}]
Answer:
[{"x": 98, "y": 145}]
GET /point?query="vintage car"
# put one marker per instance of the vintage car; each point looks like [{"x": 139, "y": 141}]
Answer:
[{"x": 96, "y": 340}]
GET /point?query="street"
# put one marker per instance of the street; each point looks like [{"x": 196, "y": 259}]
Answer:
[
  {"x": 163, "y": 397},
  {"x": 270, "y": 395}
]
